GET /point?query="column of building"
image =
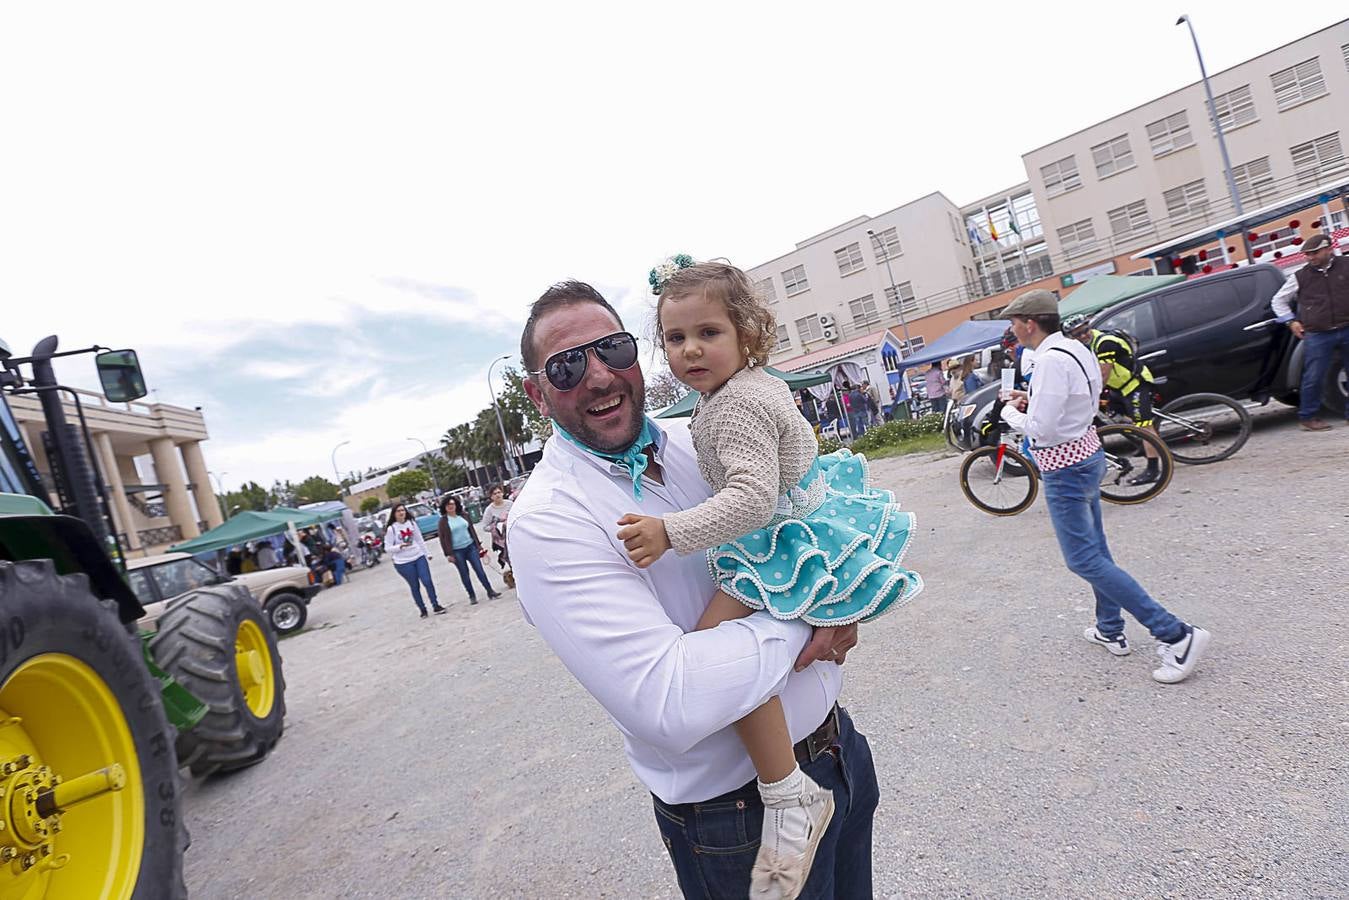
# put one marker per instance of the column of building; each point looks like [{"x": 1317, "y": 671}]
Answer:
[
  {"x": 207, "y": 504},
  {"x": 169, "y": 473},
  {"x": 122, "y": 516}
]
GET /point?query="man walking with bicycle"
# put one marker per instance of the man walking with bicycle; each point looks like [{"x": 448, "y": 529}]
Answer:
[
  {"x": 1128, "y": 383},
  {"x": 1056, "y": 415}
]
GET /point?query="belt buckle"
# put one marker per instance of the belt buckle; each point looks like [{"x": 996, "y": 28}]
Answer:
[{"x": 819, "y": 740}]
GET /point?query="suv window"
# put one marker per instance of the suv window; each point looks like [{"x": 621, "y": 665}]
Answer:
[
  {"x": 181, "y": 576},
  {"x": 1139, "y": 320},
  {"x": 1202, "y": 303},
  {"x": 141, "y": 587}
]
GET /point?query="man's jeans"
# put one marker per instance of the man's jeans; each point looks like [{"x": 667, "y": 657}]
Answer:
[
  {"x": 1074, "y": 497},
  {"x": 417, "y": 573},
  {"x": 713, "y": 844},
  {"x": 857, "y": 424},
  {"x": 339, "y": 570},
  {"x": 1318, "y": 348}
]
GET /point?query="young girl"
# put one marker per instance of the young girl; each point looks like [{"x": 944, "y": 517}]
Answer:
[
  {"x": 403, "y": 541},
  {"x": 800, "y": 536}
]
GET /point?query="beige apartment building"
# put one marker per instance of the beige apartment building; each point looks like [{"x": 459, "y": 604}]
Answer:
[
  {"x": 1156, "y": 171},
  {"x": 151, "y": 513},
  {"x": 1091, "y": 201}
]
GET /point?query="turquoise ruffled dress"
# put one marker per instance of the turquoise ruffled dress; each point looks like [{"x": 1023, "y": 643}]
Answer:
[{"x": 832, "y": 554}]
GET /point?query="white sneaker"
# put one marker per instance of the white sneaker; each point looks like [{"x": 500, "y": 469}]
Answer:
[
  {"x": 792, "y": 830},
  {"x": 1118, "y": 646},
  {"x": 1180, "y": 658}
]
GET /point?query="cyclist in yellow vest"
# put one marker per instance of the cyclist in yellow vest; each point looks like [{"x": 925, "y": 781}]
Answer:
[{"x": 1127, "y": 393}]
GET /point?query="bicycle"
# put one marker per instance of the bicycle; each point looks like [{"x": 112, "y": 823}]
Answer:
[
  {"x": 1202, "y": 428},
  {"x": 1000, "y": 481}
]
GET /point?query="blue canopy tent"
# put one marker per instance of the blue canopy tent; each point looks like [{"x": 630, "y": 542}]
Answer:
[{"x": 967, "y": 337}]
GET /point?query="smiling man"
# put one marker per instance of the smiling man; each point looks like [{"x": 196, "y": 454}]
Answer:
[{"x": 628, "y": 634}]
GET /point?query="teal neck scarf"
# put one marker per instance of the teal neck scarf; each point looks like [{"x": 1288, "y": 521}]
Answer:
[{"x": 634, "y": 459}]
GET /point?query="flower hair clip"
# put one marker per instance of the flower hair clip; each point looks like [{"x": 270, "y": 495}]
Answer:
[{"x": 661, "y": 275}]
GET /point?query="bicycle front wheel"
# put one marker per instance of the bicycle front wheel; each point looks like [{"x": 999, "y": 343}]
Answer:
[
  {"x": 1203, "y": 428},
  {"x": 998, "y": 480},
  {"x": 1126, "y": 480}
]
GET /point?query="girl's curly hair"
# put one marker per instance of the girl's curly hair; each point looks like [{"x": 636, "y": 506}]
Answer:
[{"x": 754, "y": 322}]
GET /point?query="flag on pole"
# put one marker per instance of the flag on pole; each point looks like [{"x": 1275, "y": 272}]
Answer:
[
  {"x": 974, "y": 233},
  {"x": 1011, "y": 221},
  {"x": 992, "y": 229}
]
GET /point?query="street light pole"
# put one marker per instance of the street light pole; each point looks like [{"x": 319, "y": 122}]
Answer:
[
  {"x": 220, "y": 492},
  {"x": 430, "y": 468},
  {"x": 899, "y": 305},
  {"x": 505, "y": 448},
  {"x": 1217, "y": 127},
  {"x": 337, "y": 474}
]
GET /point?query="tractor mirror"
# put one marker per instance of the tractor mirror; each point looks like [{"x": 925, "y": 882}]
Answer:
[{"x": 120, "y": 372}]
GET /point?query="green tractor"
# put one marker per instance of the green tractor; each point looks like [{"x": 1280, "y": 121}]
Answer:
[{"x": 96, "y": 715}]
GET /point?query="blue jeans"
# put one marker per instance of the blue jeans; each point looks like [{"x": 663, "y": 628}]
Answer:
[
  {"x": 1073, "y": 494},
  {"x": 1318, "y": 349},
  {"x": 463, "y": 558},
  {"x": 339, "y": 569},
  {"x": 857, "y": 423},
  {"x": 713, "y": 844},
  {"x": 417, "y": 573}
]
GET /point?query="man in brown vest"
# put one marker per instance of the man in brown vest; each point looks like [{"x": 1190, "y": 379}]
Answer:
[{"x": 1322, "y": 321}]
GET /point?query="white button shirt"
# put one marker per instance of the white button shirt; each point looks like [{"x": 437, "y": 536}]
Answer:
[
  {"x": 1062, "y": 401},
  {"x": 627, "y": 633}
]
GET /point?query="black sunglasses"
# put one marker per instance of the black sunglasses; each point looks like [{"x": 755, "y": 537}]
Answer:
[{"x": 566, "y": 368}]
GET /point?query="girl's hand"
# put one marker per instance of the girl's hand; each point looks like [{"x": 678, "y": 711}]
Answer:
[{"x": 645, "y": 538}]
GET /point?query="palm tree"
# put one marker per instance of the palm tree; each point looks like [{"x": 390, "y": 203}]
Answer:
[{"x": 458, "y": 442}]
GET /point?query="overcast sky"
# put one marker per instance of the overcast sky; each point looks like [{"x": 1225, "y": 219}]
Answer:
[{"x": 321, "y": 222}]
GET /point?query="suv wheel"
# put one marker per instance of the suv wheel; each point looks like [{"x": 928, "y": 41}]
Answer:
[
  {"x": 1335, "y": 394},
  {"x": 287, "y": 613}
]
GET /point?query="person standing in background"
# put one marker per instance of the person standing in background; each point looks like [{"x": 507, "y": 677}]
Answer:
[
  {"x": 1321, "y": 289},
  {"x": 935, "y": 383},
  {"x": 460, "y": 544},
  {"x": 403, "y": 542},
  {"x": 266, "y": 555}
]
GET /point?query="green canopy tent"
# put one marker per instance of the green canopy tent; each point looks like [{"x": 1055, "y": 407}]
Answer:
[
  {"x": 794, "y": 381},
  {"x": 249, "y": 525},
  {"x": 1107, "y": 290}
]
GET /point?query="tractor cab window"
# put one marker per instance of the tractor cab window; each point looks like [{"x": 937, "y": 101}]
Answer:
[
  {"x": 141, "y": 587},
  {"x": 181, "y": 576}
]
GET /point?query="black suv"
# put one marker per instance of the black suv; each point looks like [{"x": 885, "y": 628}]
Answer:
[{"x": 1214, "y": 334}]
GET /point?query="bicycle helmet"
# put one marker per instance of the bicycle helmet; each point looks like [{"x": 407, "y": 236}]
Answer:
[{"x": 1075, "y": 323}]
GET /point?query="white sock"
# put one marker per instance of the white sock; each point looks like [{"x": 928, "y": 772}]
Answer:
[{"x": 789, "y": 788}]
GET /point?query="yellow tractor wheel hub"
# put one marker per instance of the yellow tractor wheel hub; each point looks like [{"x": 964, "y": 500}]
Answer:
[
  {"x": 72, "y": 804},
  {"x": 253, "y": 663}
]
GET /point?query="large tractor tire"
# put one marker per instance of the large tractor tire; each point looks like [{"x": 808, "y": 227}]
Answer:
[
  {"x": 91, "y": 797},
  {"x": 216, "y": 642}
]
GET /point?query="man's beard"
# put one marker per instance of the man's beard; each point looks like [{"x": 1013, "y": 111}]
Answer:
[{"x": 581, "y": 429}]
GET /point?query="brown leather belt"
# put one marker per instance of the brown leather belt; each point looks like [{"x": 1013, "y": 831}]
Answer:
[{"x": 809, "y": 748}]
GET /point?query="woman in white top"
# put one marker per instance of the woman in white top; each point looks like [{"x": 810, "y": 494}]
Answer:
[
  {"x": 495, "y": 514},
  {"x": 403, "y": 542}
]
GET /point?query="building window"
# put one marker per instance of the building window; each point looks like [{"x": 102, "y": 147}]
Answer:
[
  {"x": 955, "y": 228},
  {"x": 864, "y": 310},
  {"x": 1078, "y": 238},
  {"x": 900, "y": 298},
  {"x": 1255, "y": 181},
  {"x": 794, "y": 280},
  {"x": 767, "y": 290},
  {"x": 1298, "y": 83},
  {"x": 1027, "y": 217},
  {"x": 1170, "y": 134},
  {"x": 849, "y": 259},
  {"x": 1113, "y": 156},
  {"x": 809, "y": 328},
  {"x": 1060, "y": 176},
  {"x": 784, "y": 339},
  {"x": 1235, "y": 108},
  {"x": 886, "y": 245},
  {"x": 1129, "y": 219},
  {"x": 1315, "y": 160},
  {"x": 1187, "y": 201},
  {"x": 1038, "y": 264},
  {"x": 1345, "y": 51}
]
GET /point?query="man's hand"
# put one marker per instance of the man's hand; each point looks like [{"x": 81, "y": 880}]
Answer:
[
  {"x": 830, "y": 644},
  {"x": 645, "y": 538},
  {"x": 1296, "y": 327}
]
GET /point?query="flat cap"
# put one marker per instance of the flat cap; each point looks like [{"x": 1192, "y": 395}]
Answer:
[
  {"x": 1033, "y": 303},
  {"x": 1315, "y": 242}
]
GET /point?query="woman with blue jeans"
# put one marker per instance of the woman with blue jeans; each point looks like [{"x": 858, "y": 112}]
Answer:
[
  {"x": 1056, "y": 416},
  {"x": 403, "y": 542},
  {"x": 459, "y": 541}
]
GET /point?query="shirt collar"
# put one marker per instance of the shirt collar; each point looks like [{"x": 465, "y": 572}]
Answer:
[{"x": 659, "y": 440}]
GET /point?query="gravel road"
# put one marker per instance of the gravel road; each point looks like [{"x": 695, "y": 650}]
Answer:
[{"x": 456, "y": 758}]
